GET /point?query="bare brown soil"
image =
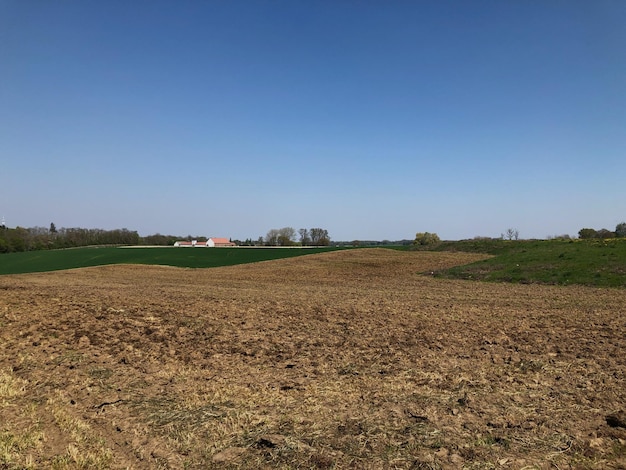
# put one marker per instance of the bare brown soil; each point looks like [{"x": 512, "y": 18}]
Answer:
[{"x": 350, "y": 359}]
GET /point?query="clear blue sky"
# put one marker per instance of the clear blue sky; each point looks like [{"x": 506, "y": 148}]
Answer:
[{"x": 372, "y": 119}]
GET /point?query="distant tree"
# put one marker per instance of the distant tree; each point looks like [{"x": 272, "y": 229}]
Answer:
[
  {"x": 18, "y": 239},
  {"x": 304, "y": 237},
  {"x": 319, "y": 237},
  {"x": 159, "y": 240},
  {"x": 605, "y": 233},
  {"x": 38, "y": 238},
  {"x": 586, "y": 233},
  {"x": 562, "y": 237},
  {"x": 271, "y": 238},
  {"x": 287, "y": 236},
  {"x": 511, "y": 234},
  {"x": 620, "y": 230},
  {"x": 426, "y": 239}
]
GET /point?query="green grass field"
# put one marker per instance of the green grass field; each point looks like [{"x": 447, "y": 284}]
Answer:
[
  {"x": 599, "y": 263},
  {"x": 54, "y": 260}
]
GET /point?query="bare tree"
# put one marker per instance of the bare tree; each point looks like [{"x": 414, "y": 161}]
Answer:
[
  {"x": 511, "y": 234},
  {"x": 304, "y": 237}
]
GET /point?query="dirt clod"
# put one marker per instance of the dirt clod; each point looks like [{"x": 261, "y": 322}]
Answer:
[
  {"x": 271, "y": 440},
  {"x": 617, "y": 420}
]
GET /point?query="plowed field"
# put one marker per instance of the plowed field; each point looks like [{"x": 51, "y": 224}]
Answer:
[{"x": 349, "y": 359}]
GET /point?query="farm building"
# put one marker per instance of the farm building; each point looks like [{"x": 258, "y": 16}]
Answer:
[
  {"x": 220, "y": 242},
  {"x": 210, "y": 243},
  {"x": 192, "y": 243}
]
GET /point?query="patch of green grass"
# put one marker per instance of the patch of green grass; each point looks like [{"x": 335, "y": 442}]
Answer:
[
  {"x": 599, "y": 263},
  {"x": 53, "y": 260}
]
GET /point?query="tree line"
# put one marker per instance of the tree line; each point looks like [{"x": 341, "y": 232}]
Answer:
[
  {"x": 42, "y": 238},
  {"x": 50, "y": 238},
  {"x": 288, "y": 236},
  {"x": 587, "y": 233},
  {"x": 47, "y": 238}
]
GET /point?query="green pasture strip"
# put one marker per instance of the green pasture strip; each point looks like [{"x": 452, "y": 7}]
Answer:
[
  {"x": 54, "y": 260},
  {"x": 600, "y": 263}
]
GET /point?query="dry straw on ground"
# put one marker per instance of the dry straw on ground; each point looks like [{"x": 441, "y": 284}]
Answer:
[{"x": 351, "y": 359}]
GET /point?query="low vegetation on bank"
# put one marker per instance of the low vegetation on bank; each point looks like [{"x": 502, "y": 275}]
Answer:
[{"x": 591, "y": 262}]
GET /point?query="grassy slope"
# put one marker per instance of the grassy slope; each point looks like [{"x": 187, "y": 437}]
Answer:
[
  {"x": 587, "y": 262},
  {"x": 40, "y": 261}
]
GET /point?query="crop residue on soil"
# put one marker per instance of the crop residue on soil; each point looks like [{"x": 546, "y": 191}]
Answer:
[{"x": 349, "y": 359}]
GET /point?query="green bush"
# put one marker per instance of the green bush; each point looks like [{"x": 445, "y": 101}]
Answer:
[{"x": 426, "y": 239}]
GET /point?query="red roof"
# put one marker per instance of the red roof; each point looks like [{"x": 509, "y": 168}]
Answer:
[{"x": 221, "y": 241}]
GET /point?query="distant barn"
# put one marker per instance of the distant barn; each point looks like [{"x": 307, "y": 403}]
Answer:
[{"x": 210, "y": 243}]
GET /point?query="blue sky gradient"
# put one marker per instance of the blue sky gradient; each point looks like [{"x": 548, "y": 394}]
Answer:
[{"x": 374, "y": 120}]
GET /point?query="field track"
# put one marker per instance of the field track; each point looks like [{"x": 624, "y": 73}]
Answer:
[{"x": 347, "y": 359}]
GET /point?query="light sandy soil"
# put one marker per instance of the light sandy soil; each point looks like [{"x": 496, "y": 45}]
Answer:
[{"x": 349, "y": 359}]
